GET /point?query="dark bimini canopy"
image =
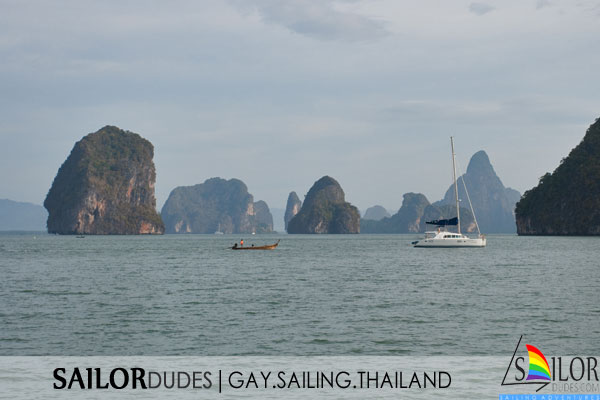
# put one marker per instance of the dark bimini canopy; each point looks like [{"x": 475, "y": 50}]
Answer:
[{"x": 443, "y": 222}]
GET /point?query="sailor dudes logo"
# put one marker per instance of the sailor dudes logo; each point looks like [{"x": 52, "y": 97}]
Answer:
[{"x": 566, "y": 374}]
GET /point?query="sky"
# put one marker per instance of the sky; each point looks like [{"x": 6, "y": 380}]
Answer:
[{"x": 279, "y": 93}]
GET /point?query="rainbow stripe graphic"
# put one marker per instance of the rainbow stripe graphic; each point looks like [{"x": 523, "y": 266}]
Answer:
[{"x": 538, "y": 366}]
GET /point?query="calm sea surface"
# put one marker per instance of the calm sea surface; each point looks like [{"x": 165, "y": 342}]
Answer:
[{"x": 314, "y": 295}]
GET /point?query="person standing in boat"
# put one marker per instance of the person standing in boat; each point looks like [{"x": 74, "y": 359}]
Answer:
[{"x": 241, "y": 242}]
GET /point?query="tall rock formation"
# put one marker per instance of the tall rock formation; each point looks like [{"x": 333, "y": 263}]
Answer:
[
  {"x": 325, "y": 210},
  {"x": 376, "y": 213},
  {"x": 292, "y": 208},
  {"x": 493, "y": 204},
  {"x": 567, "y": 201},
  {"x": 106, "y": 186},
  {"x": 264, "y": 219},
  {"x": 215, "y": 204},
  {"x": 415, "y": 211}
]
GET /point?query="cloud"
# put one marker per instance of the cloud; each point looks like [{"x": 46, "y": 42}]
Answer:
[
  {"x": 480, "y": 8},
  {"x": 590, "y": 6},
  {"x": 241, "y": 87},
  {"x": 320, "y": 19},
  {"x": 521, "y": 111},
  {"x": 542, "y": 4}
]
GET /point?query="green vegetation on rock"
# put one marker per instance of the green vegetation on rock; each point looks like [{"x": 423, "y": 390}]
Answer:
[
  {"x": 325, "y": 211},
  {"x": 106, "y": 186},
  {"x": 567, "y": 201},
  {"x": 264, "y": 219},
  {"x": 216, "y": 204}
]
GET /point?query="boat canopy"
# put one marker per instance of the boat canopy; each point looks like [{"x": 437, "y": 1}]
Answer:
[{"x": 443, "y": 222}]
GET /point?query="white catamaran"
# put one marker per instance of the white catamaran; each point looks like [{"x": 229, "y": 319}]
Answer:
[{"x": 444, "y": 238}]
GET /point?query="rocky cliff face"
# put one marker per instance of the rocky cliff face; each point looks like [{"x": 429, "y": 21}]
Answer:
[
  {"x": 325, "y": 210},
  {"x": 567, "y": 201},
  {"x": 264, "y": 219},
  {"x": 376, "y": 213},
  {"x": 413, "y": 214},
  {"x": 493, "y": 204},
  {"x": 106, "y": 186},
  {"x": 292, "y": 208},
  {"x": 215, "y": 204}
]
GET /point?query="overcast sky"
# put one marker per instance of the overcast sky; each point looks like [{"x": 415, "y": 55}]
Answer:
[{"x": 279, "y": 93}]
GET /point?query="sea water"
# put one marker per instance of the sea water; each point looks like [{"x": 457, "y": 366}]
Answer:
[{"x": 315, "y": 295}]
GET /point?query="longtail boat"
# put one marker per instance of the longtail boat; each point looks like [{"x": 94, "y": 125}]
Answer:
[{"x": 266, "y": 247}]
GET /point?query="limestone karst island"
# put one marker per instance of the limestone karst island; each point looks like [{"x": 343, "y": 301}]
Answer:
[
  {"x": 292, "y": 208},
  {"x": 325, "y": 210},
  {"x": 217, "y": 205},
  {"x": 567, "y": 201},
  {"x": 493, "y": 203},
  {"x": 105, "y": 186}
]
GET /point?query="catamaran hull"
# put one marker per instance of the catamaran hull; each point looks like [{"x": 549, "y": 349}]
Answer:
[
  {"x": 444, "y": 238},
  {"x": 451, "y": 243}
]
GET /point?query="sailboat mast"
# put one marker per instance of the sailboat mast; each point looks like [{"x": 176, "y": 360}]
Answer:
[{"x": 455, "y": 186}]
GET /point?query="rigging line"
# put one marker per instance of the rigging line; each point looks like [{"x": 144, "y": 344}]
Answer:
[{"x": 462, "y": 178}]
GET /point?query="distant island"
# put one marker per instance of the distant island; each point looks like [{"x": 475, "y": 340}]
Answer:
[
  {"x": 376, "y": 213},
  {"x": 105, "y": 187},
  {"x": 325, "y": 210},
  {"x": 493, "y": 205},
  {"x": 216, "y": 205},
  {"x": 411, "y": 218},
  {"x": 21, "y": 216},
  {"x": 567, "y": 201}
]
